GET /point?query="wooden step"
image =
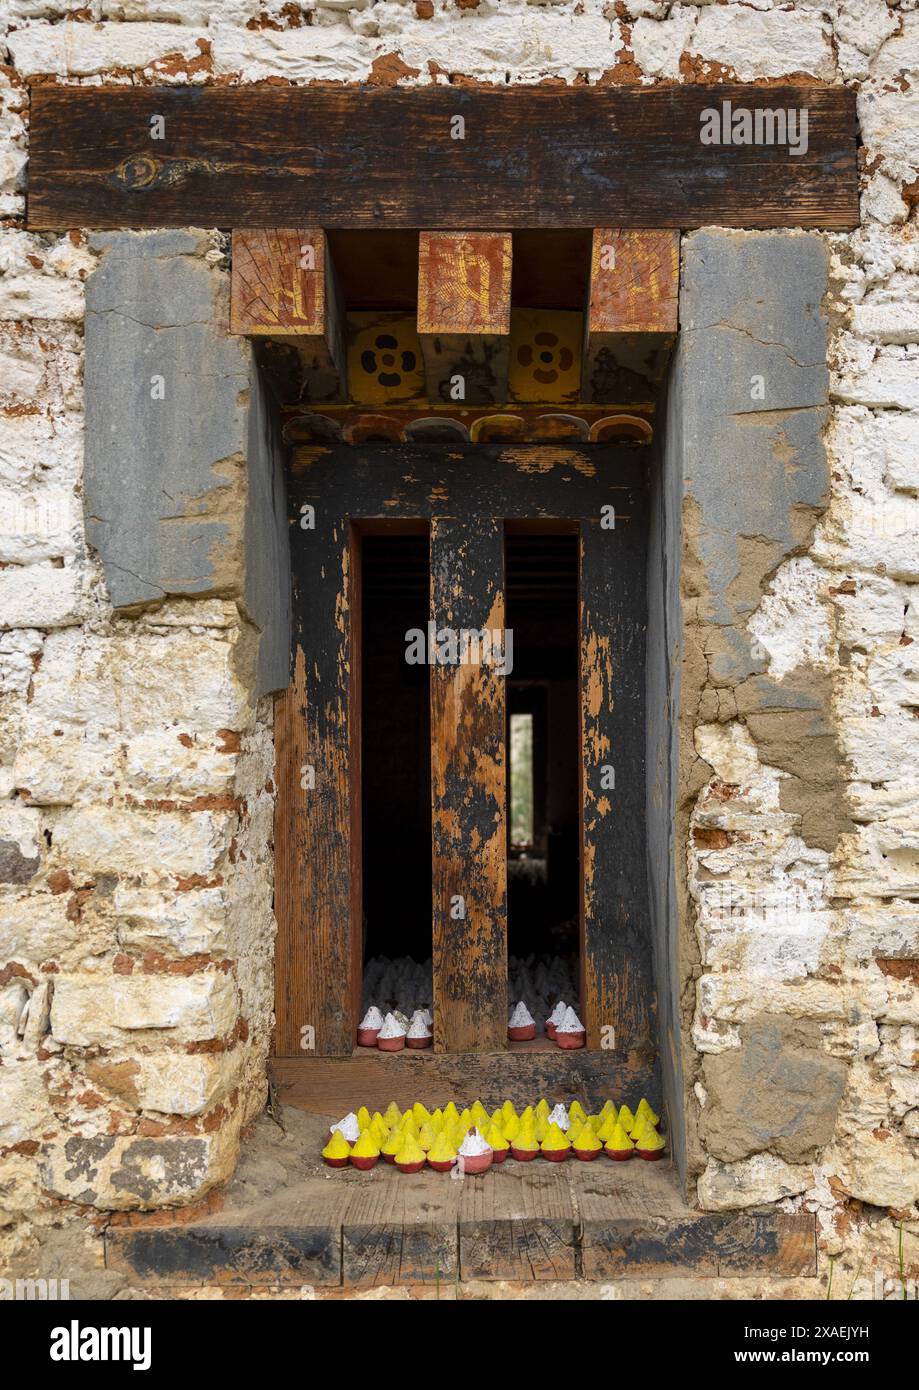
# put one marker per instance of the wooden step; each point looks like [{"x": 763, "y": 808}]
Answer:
[{"x": 287, "y": 1220}]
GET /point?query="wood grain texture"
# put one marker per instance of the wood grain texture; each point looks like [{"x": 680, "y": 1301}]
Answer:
[
  {"x": 340, "y": 157},
  {"x": 400, "y": 1229},
  {"x": 617, "y": 979},
  {"x": 518, "y": 1222},
  {"x": 713, "y": 1245},
  {"x": 404, "y": 481},
  {"x": 315, "y": 737},
  {"x": 464, "y": 312},
  {"x": 464, "y": 282},
  {"x": 333, "y": 1085},
  {"x": 284, "y": 294},
  {"x": 285, "y": 1219},
  {"x": 462, "y": 492},
  {"x": 468, "y": 788},
  {"x": 277, "y": 284},
  {"x": 233, "y": 1255},
  {"x": 634, "y": 281},
  {"x": 632, "y": 312}
]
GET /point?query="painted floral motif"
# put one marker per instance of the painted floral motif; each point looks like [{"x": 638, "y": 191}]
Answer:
[
  {"x": 545, "y": 364},
  {"x": 547, "y": 357},
  {"x": 384, "y": 359}
]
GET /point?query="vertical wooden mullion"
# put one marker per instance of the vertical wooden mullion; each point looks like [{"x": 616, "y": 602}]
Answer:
[
  {"x": 317, "y": 888},
  {"x": 617, "y": 984},
  {"x": 468, "y": 775}
]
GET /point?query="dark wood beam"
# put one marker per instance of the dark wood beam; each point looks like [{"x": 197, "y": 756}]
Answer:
[
  {"x": 317, "y": 826},
  {"x": 438, "y": 157},
  {"x": 521, "y": 1073},
  {"x": 617, "y": 988}
]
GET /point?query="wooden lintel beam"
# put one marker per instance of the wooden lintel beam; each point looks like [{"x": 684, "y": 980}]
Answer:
[
  {"x": 631, "y": 319},
  {"x": 283, "y": 288},
  {"x": 264, "y": 156},
  {"x": 464, "y": 315}
]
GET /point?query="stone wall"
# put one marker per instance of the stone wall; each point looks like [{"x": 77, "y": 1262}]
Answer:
[{"x": 136, "y": 761}]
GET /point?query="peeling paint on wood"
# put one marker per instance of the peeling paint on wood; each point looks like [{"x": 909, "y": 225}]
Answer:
[
  {"x": 315, "y": 737},
  {"x": 632, "y": 312},
  {"x": 283, "y": 286},
  {"x": 467, "y": 494},
  {"x": 464, "y": 312},
  {"x": 617, "y": 980},
  {"x": 469, "y": 795}
]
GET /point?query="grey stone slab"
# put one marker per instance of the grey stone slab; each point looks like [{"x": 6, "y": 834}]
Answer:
[
  {"x": 752, "y": 302},
  {"x": 184, "y": 483},
  {"x": 740, "y": 479}
]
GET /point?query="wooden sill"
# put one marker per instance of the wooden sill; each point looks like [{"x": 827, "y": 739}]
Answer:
[{"x": 522, "y": 1073}]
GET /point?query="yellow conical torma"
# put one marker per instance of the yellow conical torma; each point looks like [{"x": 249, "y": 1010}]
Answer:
[
  {"x": 511, "y": 1127},
  {"x": 443, "y": 1150},
  {"x": 427, "y": 1135},
  {"x": 337, "y": 1147},
  {"x": 587, "y": 1141},
  {"x": 645, "y": 1110},
  {"x": 495, "y": 1139},
  {"x": 619, "y": 1141},
  {"x": 525, "y": 1138},
  {"x": 440, "y": 1132},
  {"x": 392, "y": 1143},
  {"x": 377, "y": 1129},
  {"x": 555, "y": 1139},
  {"x": 479, "y": 1114},
  {"x": 366, "y": 1146},
  {"x": 605, "y": 1132},
  {"x": 626, "y": 1118},
  {"x": 411, "y": 1151}
]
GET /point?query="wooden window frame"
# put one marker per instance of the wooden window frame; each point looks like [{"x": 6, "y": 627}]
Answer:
[{"x": 358, "y": 490}]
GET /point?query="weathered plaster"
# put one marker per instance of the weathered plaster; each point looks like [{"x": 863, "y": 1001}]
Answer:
[{"x": 792, "y": 778}]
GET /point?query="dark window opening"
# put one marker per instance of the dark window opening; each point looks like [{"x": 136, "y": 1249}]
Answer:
[{"x": 395, "y": 774}]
